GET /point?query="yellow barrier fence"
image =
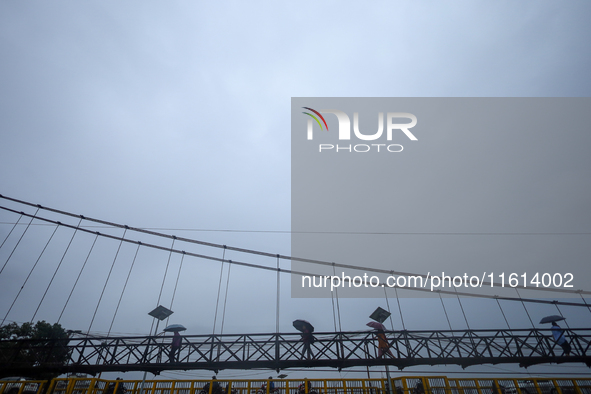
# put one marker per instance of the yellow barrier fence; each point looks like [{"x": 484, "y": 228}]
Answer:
[{"x": 400, "y": 385}]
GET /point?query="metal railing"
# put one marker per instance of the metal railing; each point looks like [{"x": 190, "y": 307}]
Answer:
[{"x": 280, "y": 351}]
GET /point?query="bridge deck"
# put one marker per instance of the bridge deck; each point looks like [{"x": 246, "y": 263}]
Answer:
[{"x": 280, "y": 351}]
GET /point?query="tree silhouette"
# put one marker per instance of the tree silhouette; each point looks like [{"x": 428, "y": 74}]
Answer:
[{"x": 41, "y": 348}]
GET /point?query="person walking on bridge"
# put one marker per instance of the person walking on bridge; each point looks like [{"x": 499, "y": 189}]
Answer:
[
  {"x": 174, "y": 347},
  {"x": 307, "y": 338},
  {"x": 383, "y": 345},
  {"x": 559, "y": 337}
]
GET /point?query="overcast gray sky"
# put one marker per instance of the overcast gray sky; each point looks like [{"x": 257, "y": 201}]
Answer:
[{"x": 176, "y": 115}]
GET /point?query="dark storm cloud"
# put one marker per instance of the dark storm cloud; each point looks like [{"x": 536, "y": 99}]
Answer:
[{"x": 176, "y": 115}]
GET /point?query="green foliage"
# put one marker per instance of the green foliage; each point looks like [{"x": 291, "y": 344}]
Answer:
[{"x": 42, "y": 347}]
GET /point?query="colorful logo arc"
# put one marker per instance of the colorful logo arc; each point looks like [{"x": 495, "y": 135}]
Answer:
[{"x": 315, "y": 118}]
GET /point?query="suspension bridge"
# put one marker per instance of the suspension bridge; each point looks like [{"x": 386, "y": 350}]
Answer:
[{"x": 90, "y": 353}]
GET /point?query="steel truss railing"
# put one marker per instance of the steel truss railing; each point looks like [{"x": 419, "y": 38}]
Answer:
[{"x": 280, "y": 351}]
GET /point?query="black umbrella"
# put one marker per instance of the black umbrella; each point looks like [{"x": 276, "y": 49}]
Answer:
[
  {"x": 301, "y": 324},
  {"x": 551, "y": 319}
]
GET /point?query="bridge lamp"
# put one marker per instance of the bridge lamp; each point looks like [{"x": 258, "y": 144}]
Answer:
[
  {"x": 380, "y": 315},
  {"x": 159, "y": 313}
]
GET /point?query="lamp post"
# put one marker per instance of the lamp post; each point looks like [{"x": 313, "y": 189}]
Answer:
[
  {"x": 159, "y": 313},
  {"x": 380, "y": 315}
]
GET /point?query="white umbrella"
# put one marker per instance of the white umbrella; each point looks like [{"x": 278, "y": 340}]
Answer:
[
  {"x": 551, "y": 319},
  {"x": 174, "y": 328}
]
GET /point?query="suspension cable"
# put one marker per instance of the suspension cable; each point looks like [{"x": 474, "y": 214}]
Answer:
[
  {"x": 337, "y": 297},
  {"x": 463, "y": 313},
  {"x": 78, "y": 278},
  {"x": 12, "y": 229},
  {"x": 176, "y": 284},
  {"x": 250, "y": 251},
  {"x": 334, "y": 311},
  {"x": 106, "y": 282},
  {"x": 278, "y": 270},
  {"x": 166, "y": 271},
  {"x": 278, "y": 297},
  {"x": 325, "y": 263},
  {"x": 388, "y": 305},
  {"x": 164, "y": 280},
  {"x": 504, "y": 317},
  {"x": 588, "y": 307},
  {"x": 217, "y": 302},
  {"x": 263, "y": 267},
  {"x": 466, "y": 319},
  {"x": 124, "y": 287},
  {"x": 565, "y": 322},
  {"x": 19, "y": 240},
  {"x": 226, "y": 296},
  {"x": 28, "y": 276},
  {"x": 400, "y": 309},
  {"x": 444, "y": 310},
  {"x": 56, "y": 270},
  {"x": 287, "y": 271},
  {"x": 523, "y": 303}
]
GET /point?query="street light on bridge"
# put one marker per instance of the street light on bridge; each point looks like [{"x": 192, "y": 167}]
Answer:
[
  {"x": 380, "y": 315},
  {"x": 159, "y": 313}
]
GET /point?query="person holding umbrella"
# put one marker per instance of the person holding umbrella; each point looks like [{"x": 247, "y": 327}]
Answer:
[
  {"x": 307, "y": 338},
  {"x": 175, "y": 346},
  {"x": 383, "y": 345},
  {"x": 558, "y": 333},
  {"x": 176, "y": 340}
]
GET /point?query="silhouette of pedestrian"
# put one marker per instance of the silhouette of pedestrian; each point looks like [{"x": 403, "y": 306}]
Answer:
[
  {"x": 559, "y": 337},
  {"x": 419, "y": 388},
  {"x": 308, "y": 340},
  {"x": 174, "y": 347},
  {"x": 305, "y": 387},
  {"x": 120, "y": 388},
  {"x": 383, "y": 345},
  {"x": 215, "y": 387}
]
